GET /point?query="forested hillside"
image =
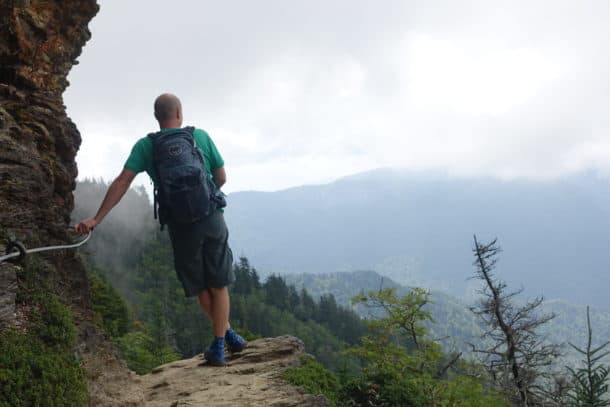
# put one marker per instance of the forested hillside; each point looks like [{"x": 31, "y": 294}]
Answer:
[
  {"x": 451, "y": 316},
  {"x": 452, "y": 319},
  {"x": 141, "y": 305}
]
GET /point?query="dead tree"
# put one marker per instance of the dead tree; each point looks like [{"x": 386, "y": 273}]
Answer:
[{"x": 517, "y": 356}]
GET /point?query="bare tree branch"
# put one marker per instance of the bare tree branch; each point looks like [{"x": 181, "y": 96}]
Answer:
[{"x": 518, "y": 356}]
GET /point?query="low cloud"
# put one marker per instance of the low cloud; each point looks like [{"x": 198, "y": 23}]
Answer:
[{"x": 308, "y": 92}]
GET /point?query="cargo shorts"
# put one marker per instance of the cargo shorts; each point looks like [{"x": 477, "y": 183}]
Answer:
[{"x": 202, "y": 256}]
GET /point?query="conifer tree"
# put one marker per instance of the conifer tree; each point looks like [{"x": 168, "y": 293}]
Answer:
[
  {"x": 277, "y": 292},
  {"x": 591, "y": 381},
  {"x": 518, "y": 358}
]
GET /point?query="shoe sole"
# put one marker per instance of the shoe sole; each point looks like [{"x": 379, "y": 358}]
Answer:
[
  {"x": 238, "y": 348},
  {"x": 210, "y": 360},
  {"x": 216, "y": 363},
  {"x": 206, "y": 354}
]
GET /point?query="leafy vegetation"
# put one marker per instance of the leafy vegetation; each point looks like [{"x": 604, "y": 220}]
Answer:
[
  {"x": 37, "y": 363},
  {"x": 401, "y": 365},
  {"x": 404, "y": 366},
  {"x": 142, "y": 353},
  {"x": 315, "y": 379},
  {"x": 109, "y": 305}
]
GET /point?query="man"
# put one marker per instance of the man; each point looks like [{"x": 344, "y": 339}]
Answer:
[{"x": 202, "y": 257}]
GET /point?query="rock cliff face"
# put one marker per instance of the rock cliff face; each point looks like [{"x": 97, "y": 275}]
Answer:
[{"x": 39, "y": 43}]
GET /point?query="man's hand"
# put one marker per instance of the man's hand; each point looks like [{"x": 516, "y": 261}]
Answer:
[{"x": 86, "y": 226}]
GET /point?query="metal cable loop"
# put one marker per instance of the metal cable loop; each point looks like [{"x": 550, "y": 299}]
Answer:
[{"x": 22, "y": 251}]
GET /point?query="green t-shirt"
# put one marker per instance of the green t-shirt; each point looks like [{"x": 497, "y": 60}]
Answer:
[{"x": 140, "y": 158}]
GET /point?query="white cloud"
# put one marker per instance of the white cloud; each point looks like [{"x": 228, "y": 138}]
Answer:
[
  {"x": 296, "y": 92},
  {"x": 443, "y": 75}
]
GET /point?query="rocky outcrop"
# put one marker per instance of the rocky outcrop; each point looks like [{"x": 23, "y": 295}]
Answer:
[
  {"x": 39, "y": 43},
  {"x": 251, "y": 378}
]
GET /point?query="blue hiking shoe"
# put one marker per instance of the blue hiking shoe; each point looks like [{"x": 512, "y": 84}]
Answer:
[
  {"x": 215, "y": 355},
  {"x": 234, "y": 341}
]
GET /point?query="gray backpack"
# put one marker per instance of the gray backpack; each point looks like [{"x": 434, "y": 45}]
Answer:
[{"x": 183, "y": 192}]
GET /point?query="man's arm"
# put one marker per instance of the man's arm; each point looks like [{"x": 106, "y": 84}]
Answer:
[
  {"x": 220, "y": 177},
  {"x": 114, "y": 194}
]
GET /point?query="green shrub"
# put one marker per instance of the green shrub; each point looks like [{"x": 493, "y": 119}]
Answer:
[
  {"x": 385, "y": 389},
  {"x": 402, "y": 364},
  {"x": 38, "y": 367},
  {"x": 52, "y": 323},
  {"x": 314, "y": 378},
  {"x": 109, "y": 306},
  {"x": 142, "y": 354},
  {"x": 32, "y": 374}
]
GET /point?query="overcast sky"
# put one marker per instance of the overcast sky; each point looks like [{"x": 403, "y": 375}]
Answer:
[{"x": 297, "y": 92}]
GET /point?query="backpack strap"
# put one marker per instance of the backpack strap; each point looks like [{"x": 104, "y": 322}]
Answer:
[
  {"x": 155, "y": 188},
  {"x": 189, "y": 130}
]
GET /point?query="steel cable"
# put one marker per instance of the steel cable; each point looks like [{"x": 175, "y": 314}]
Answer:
[{"x": 22, "y": 250}]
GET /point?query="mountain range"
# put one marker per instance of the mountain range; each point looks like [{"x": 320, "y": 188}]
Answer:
[{"x": 418, "y": 228}]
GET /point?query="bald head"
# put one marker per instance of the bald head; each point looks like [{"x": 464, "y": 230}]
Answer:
[{"x": 168, "y": 110}]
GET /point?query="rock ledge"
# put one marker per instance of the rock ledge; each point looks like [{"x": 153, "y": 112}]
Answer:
[{"x": 252, "y": 378}]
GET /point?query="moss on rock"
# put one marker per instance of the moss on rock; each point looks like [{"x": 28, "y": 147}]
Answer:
[{"x": 38, "y": 366}]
